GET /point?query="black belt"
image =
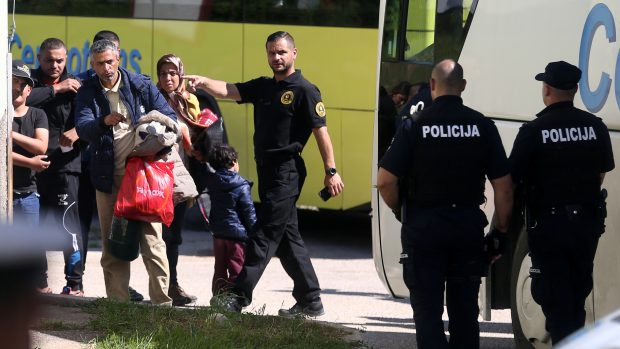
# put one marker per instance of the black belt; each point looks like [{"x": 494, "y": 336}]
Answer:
[
  {"x": 21, "y": 195},
  {"x": 271, "y": 156},
  {"x": 446, "y": 205},
  {"x": 565, "y": 210}
]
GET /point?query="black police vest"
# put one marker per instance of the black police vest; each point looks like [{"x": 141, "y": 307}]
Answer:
[
  {"x": 449, "y": 162},
  {"x": 566, "y": 164}
]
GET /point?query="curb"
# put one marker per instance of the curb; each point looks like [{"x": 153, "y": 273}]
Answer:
[
  {"x": 352, "y": 335},
  {"x": 66, "y": 300}
]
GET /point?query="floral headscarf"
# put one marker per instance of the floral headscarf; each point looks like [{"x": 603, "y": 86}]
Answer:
[{"x": 178, "y": 98}]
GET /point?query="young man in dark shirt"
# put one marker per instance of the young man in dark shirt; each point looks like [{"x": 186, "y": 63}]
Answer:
[{"x": 29, "y": 136}]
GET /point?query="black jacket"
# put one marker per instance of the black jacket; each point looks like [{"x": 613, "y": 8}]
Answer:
[{"x": 60, "y": 111}]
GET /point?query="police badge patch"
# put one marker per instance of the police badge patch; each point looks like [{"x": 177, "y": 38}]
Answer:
[
  {"x": 320, "y": 109},
  {"x": 287, "y": 97}
]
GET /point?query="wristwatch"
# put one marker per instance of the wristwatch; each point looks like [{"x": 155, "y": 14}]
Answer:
[{"x": 331, "y": 171}]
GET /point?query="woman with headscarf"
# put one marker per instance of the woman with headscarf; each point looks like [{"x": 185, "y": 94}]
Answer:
[{"x": 170, "y": 82}]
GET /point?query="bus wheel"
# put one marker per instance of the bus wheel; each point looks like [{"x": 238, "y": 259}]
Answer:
[{"x": 528, "y": 320}]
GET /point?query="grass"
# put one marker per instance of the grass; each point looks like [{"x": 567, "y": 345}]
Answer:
[{"x": 135, "y": 326}]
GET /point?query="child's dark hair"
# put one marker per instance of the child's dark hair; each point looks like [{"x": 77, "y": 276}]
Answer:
[{"x": 222, "y": 156}]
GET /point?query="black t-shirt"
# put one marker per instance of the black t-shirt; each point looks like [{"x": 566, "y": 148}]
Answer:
[
  {"x": 285, "y": 112},
  {"x": 559, "y": 156},
  {"x": 445, "y": 155},
  {"x": 23, "y": 177}
]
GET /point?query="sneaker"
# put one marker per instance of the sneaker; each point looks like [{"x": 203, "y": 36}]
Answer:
[
  {"x": 69, "y": 291},
  {"x": 134, "y": 295},
  {"x": 232, "y": 305},
  {"x": 311, "y": 310},
  {"x": 179, "y": 297},
  {"x": 226, "y": 302}
]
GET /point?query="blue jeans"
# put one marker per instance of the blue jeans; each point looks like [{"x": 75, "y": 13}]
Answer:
[
  {"x": 26, "y": 211},
  {"x": 26, "y": 208}
]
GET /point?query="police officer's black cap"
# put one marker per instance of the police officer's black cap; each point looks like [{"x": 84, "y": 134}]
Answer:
[
  {"x": 21, "y": 70},
  {"x": 561, "y": 75}
]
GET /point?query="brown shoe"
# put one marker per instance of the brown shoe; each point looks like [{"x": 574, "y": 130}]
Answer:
[{"x": 179, "y": 297}]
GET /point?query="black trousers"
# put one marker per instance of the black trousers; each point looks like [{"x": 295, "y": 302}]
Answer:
[
  {"x": 562, "y": 248},
  {"x": 87, "y": 205},
  {"x": 59, "y": 209},
  {"x": 444, "y": 252},
  {"x": 278, "y": 234},
  {"x": 173, "y": 238}
]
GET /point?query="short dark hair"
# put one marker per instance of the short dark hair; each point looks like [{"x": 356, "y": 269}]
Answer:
[
  {"x": 222, "y": 156},
  {"x": 402, "y": 88},
  {"x": 106, "y": 35},
  {"x": 280, "y": 35},
  {"x": 52, "y": 44}
]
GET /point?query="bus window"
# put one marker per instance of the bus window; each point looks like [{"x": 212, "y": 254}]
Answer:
[
  {"x": 452, "y": 23},
  {"x": 436, "y": 30},
  {"x": 391, "y": 30},
  {"x": 342, "y": 13},
  {"x": 420, "y": 32}
]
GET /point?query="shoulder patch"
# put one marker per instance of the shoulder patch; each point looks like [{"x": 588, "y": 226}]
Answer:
[
  {"x": 320, "y": 109},
  {"x": 287, "y": 97}
]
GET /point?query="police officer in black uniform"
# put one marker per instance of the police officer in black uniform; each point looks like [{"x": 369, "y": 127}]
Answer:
[
  {"x": 560, "y": 159},
  {"x": 287, "y": 109},
  {"x": 443, "y": 158}
]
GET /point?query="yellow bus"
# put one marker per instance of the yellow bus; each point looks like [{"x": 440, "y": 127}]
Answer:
[{"x": 337, "y": 43}]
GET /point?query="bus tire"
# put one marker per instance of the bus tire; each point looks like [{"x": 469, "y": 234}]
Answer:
[{"x": 528, "y": 320}]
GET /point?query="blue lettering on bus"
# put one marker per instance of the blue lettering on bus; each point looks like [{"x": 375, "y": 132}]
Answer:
[
  {"x": 124, "y": 58},
  {"x": 77, "y": 61},
  {"x": 74, "y": 61},
  {"x": 85, "y": 53},
  {"x": 29, "y": 57},
  {"x": 133, "y": 56},
  {"x": 600, "y": 15}
]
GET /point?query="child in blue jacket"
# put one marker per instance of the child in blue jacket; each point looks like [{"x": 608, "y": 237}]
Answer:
[{"x": 232, "y": 215}]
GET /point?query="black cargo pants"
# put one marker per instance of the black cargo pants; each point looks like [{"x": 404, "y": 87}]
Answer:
[
  {"x": 562, "y": 247},
  {"x": 59, "y": 210},
  {"x": 444, "y": 246},
  {"x": 279, "y": 184}
]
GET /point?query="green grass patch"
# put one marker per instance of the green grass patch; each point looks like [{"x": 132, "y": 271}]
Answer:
[{"x": 128, "y": 325}]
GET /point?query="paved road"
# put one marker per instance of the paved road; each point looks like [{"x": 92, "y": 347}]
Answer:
[{"x": 341, "y": 252}]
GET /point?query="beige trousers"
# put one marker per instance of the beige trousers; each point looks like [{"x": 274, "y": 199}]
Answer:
[{"x": 116, "y": 272}]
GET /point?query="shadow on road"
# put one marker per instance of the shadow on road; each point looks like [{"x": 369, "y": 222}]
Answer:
[{"x": 327, "y": 234}]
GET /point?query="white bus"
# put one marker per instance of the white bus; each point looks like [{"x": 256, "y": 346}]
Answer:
[{"x": 502, "y": 44}]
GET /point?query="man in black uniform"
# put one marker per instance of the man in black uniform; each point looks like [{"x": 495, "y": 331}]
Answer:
[
  {"x": 561, "y": 159},
  {"x": 55, "y": 92},
  {"x": 287, "y": 109},
  {"x": 443, "y": 158}
]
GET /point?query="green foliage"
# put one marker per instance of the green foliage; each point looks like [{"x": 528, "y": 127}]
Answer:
[{"x": 135, "y": 326}]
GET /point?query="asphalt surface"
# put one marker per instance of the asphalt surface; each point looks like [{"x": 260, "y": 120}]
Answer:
[{"x": 340, "y": 247}]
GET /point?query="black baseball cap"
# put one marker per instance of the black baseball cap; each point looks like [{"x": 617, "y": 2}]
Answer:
[
  {"x": 21, "y": 70},
  {"x": 561, "y": 75}
]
